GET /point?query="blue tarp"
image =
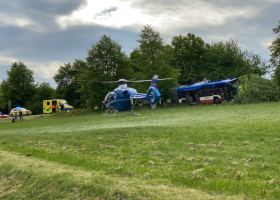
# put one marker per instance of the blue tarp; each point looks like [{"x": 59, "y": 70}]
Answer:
[{"x": 197, "y": 86}]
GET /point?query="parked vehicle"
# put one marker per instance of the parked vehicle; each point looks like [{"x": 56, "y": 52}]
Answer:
[
  {"x": 55, "y": 105},
  {"x": 23, "y": 110},
  {"x": 3, "y": 115},
  {"x": 206, "y": 92}
]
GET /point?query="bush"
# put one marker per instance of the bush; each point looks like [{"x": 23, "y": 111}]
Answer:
[{"x": 255, "y": 89}]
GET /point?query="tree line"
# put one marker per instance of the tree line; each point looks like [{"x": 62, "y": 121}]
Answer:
[{"x": 188, "y": 59}]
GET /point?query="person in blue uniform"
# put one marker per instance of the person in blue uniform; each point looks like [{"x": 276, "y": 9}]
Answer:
[{"x": 16, "y": 116}]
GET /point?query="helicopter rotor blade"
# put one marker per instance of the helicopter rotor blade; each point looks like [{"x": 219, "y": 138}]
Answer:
[
  {"x": 139, "y": 81},
  {"x": 122, "y": 81},
  {"x": 96, "y": 81}
]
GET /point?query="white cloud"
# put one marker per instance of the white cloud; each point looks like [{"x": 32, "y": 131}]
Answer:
[
  {"x": 7, "y": 19},
  {"x": 115, "y": 13},
  {"x": 5, "y": 60},
  {"x": 265, "y": 42},
  {"x": 41, "y": 70},
  {"x": 46, "y": 70}
]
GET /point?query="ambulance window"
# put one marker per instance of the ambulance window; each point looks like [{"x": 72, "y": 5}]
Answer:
[{"x": 48, "y": 103}]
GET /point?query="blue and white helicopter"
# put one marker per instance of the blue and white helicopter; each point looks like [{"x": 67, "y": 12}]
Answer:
[{"x": 123, "y": 98}]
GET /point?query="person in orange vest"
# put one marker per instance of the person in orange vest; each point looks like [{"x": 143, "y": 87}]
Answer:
[{"x": 53, "y": 108}]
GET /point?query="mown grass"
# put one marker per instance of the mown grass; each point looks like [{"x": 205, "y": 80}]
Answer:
[{"x": 217, "y": 151}]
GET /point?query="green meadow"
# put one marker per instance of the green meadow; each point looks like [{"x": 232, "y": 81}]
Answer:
[{"x": 179, "y": 152}]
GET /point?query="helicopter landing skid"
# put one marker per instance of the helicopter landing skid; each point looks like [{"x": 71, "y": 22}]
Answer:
[
  {"x": 133, "y": 113},
  {"x": 114, "y": 115}
]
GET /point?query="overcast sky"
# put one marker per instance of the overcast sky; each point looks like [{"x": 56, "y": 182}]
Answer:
[{"x": 45, "y": 34}]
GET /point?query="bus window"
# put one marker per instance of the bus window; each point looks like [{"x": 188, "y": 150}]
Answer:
[
  {"x": 233, "y": 88},
  {"x": 215, "y": 91},
  {"x": 207, "y": 91},
  {"x": 200, "y": 93},
  {"x": 182, "y": 94}
]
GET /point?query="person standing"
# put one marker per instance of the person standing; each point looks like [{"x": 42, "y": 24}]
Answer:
[
  {"x": 53, "y": 108},
  {"x": 62, "y": 107},
  {"x": 15, "y": 116},
  {"x": 20, "y": 115}
]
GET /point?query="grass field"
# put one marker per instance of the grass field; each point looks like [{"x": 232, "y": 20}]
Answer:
[{"x": 198, "y": 152}]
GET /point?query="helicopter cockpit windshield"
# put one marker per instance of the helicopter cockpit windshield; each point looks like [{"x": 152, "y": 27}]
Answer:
[
  {"x": 122, "y": 86},
  {"x": 109, "y": 97}
]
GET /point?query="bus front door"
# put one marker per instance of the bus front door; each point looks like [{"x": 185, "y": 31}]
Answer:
[{"x": 223, "y": 94}]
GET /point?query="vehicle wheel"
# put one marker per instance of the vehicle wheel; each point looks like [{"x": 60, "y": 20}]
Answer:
[{"x": 216, "y": 101}]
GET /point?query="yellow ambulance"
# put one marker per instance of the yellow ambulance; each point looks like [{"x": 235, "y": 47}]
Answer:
[{"x": 54, "y": 105}]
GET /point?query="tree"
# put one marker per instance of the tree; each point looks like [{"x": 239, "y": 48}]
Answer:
[
  {"x": 275, "y": 54},
  {"x": 226, "y": 60},
  {"x": 256, "y": 89},
  {"x": 188, "y": 53},
  {"x": 43, "y": 92},
  {"x": 153, "y": 57},
  {"x": 3, "y": 104},
  {"x": 106, "y": 62},
  {"x": 67, "y": 87},
  {"x": 19, "y": 87},
  {"x": 275, "y": 47},
  {"x": 276, "y": 76}
]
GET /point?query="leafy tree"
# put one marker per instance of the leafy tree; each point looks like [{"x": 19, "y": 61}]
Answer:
[
  {"x": 226, "y": 60},
  {"x": 67, "y": 87},
  {"x": 255, "y": 89},
  {"x": 276, "y": 76},
  {"x": 275, "y": 54},
  {"x": 275, "y": 47},
  {"x": 43, "y": 92},
  {"x": 3, "y": 104},
  {"x": 19, "y": 87},
  {"x": 153, "y": 57},
  {"x": 106, "y": 62},
  {"x": 188, "y": 53}
]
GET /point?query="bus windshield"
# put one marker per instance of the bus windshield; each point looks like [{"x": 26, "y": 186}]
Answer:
[{"x": 233, "y": 88}]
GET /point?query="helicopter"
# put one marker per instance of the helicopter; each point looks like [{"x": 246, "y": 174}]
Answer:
[{"x": 124, "y": 98}]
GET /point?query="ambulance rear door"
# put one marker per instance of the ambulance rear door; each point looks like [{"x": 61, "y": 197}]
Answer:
[{"x": 47, "y": 106}]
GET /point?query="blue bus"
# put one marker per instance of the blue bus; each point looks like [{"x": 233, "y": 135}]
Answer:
[{"x": 206, "y": 92}]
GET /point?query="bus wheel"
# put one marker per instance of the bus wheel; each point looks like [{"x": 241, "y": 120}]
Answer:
[{"x": 216, "y": 101}]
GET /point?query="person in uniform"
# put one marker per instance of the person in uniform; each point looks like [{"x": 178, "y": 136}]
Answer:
[
  {"x": 53, "y": 108},
  {"x": 15, "y": 116},
  {"x": 20, "y": 115}
]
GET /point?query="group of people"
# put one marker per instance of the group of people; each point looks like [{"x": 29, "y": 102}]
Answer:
[{"x": 16, "y": 115}]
